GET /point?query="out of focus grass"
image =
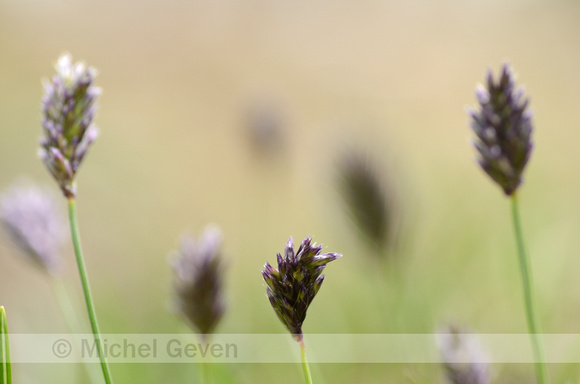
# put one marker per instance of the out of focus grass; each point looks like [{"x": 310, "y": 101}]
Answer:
[{"x": 393, "y": 77}]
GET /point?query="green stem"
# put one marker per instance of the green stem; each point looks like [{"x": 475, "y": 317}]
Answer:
[
  {"x": 86, "y": 288},
  {"x": 5, "y": 368},
  {"x": 205, "y": 374},
  {"x": 65, "y": 303},
  {"x": 528, "y": 295},
  {"x": 305, "y": 361},
  {"x": 70, "y": 313},
  {"x": 205, "y": 369}
]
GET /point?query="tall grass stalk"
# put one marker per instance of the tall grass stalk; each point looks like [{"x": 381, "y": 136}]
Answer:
[
  {"x": 70, "y": 312},
  {"x": 86, "y": 288},
  {"x": 204, "y": 373},
  {"x": 531, "y": 317},
  {"x": 503, "y": 128},
  {"x": 65, "y": 304},
  {"x": 204, "y": 365}
]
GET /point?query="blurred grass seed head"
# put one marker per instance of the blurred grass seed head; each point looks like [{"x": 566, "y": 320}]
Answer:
[
  {"x": 31, "y": 218},
  {"x": 68, "y": 109},
  {"x": 199, "y": 279},
  {"x": 265, "y": 125},
  {"x": 503, "y": 126},
  {"x": 463, "y": 358},
  {"x": 292, "y": 287},
  {"x": 366, "y": 197}
]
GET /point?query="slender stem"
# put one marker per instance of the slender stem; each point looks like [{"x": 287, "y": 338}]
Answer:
[
  {"x": 205, "y": 369},
  {"x": 305, "y": 361},
  {"x": 65, "y": 303},
  {"x": 204, "y": 373},
  {"x": 70, "y": 312},
  {"x": 5, "y": 368},
  {"x": 86, "y": 288},
  {"x": 528, "y": 295}
]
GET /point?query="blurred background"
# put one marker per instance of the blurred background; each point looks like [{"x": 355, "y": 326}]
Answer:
[{"x": 239, "y": 112}]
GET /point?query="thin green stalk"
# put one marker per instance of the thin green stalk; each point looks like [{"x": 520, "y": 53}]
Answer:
[
  {"x": 65, "y": 303},
  {"x": 205, "y": 373},
  {"x": 86, "y": 288},
  {"x": 5, "y": 368},
  {"x": 531, "y": 317},
  {"x": 305, "y": 361},
  {"x": 205, "y": 369},
  {"x": 70, "y": 313}
]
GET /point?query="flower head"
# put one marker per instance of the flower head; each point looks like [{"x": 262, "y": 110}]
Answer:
[
  {"x": 503, "y": 126},
  {"x": 367, "y": 198},
  {"x": 292, "y": 287},
  {"x": 198, "y": 271},
  {"x": 265, "y": 127},
  {"x": 68, "y": 108},
  {"x": 463, "y": 358},
  {"x": 31, "y": 218}
]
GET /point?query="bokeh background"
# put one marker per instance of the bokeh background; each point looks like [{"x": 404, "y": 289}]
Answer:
[{"x": 188, "y": 87}]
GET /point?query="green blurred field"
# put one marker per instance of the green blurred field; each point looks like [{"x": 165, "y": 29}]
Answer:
[{"x": 392, "y": 77}]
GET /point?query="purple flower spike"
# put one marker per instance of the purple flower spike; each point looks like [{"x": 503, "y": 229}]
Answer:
[
  {"x": 68, "y": 109},
  {"x": 198, "y": 283},
  {"x": 503, "y": 126},
  {"x": 30, "y": 217},
  {"x": 292, "y": 287}
]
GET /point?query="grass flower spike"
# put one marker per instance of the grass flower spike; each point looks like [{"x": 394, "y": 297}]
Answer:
[
  {"x": 463, "y": 358},
  {"x": 367, "y": 198},
  {"x": 30, "y": 216},
  {"x": 292, "y": 287},
  {"x": 68, "y": 108},
  {"x": 198, "y": 270},
  {"x": 503, "y": 126}
]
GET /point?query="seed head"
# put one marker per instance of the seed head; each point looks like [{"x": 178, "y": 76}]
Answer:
[
  {"x": 198, "y": 272},
  {"x": 31, "y": 218},
  {"x": 68, "y": 108},
  {"x": 265, "y": 127},
  {"x": 366, "y": 198},
  {"x": 292, "y": 287},
  {"x": 503, "y": 126},
  {"x": 463, "y": 359}
]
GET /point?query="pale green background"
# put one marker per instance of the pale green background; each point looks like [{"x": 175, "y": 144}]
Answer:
[{"x": 391, "y": 76}]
